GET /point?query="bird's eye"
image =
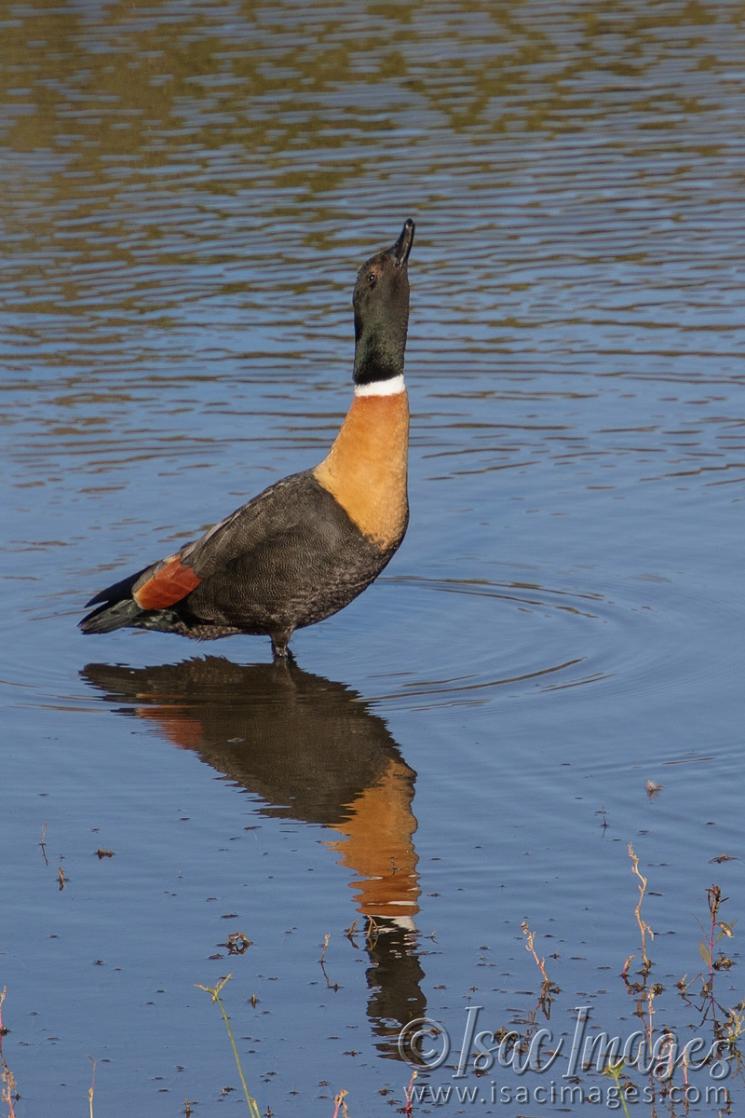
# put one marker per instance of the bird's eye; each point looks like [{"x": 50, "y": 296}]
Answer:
[{"x": 372, "y": 279}]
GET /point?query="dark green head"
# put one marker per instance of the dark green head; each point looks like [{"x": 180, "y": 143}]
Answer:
[{"x": 381, "y": 311}]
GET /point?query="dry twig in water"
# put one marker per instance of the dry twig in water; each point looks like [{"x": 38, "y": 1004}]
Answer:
[
  {"x": 9, "y": 1088},
  {"x": 548, "y": 988},
  {"x": 340, "y": 1104},
  {"x": 644, "y": 928},
  {"x": 92, "y": 1088}
]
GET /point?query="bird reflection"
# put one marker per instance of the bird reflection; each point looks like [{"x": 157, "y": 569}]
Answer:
[{"x": 313, "y": 751}]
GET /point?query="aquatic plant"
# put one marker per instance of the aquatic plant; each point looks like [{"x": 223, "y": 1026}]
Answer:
[{"x": 215, "y": 992}]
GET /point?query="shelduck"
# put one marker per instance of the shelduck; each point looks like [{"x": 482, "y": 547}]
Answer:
[{"x": 309, "y": 544}]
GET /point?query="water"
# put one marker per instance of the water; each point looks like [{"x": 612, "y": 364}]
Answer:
[{"x": 187, "y": 191}]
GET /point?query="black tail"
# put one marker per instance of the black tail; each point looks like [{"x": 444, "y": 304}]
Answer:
[
  {"x": 106, "y": 618},
  {"x": 116, "y": 607}
]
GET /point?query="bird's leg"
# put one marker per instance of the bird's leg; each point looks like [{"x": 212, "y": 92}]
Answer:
[{"x": 280, "y": 650}]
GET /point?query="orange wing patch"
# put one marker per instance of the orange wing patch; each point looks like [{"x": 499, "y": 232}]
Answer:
[{"x": 171, "y": 582}]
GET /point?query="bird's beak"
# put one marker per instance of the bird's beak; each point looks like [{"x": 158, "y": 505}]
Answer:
[{"x": 400, "y": 251}]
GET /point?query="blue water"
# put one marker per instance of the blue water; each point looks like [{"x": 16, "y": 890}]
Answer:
[{"x": 187, "y": 192}]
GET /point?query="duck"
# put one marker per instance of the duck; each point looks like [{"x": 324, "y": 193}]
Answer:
[{"x": 309, "y": 544}]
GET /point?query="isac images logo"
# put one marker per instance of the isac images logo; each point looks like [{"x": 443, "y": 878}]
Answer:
[{"x": 688, "y": 1073}]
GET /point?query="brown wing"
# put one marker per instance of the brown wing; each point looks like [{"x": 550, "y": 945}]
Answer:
[{"x": 168, "y": 582}]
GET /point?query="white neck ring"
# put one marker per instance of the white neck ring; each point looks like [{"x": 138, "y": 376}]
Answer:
[{"x": 391, "y": 387}]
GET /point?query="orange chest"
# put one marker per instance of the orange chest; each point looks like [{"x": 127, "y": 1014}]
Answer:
[{"x": 366, "y": 468}]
